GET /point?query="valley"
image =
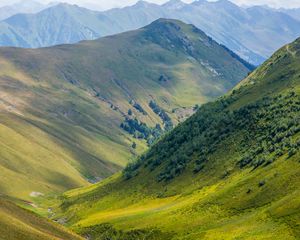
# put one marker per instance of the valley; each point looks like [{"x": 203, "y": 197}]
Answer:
[
  {"x": 62, "y": 107},
  {"x": 19, "y": 223},
  {"x": 230, "y": 171},
  {"x": 171, "y": 121}
]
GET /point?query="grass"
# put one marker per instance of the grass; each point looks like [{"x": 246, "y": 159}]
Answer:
[
  {"x": 20, "y": 224},
  {"x": 58, "y": 125},
  {"x": 223, "y": 210},
  {"x": 224, "y": 200}
]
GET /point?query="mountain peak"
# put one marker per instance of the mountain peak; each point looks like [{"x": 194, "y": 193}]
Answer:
[
  {"x": 198, "y": 2},
  {"x": 226, "y": 3},
  {"x": 174, "y": 4},
  {"x": 166, "y": 20},
  {"x": 66, "y": 7},
  {"x": 143, "y": 4},
  {"x": 161, "y": 24}
]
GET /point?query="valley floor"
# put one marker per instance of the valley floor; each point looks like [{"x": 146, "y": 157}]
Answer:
[{"x": 232, "y": 208}]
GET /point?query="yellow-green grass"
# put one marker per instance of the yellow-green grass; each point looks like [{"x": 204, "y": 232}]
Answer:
[
  {"x": 224, "y": 200},
  {"x": 20, "y": 224},
  {"x": 58, "y": 125},
  {"x": 222, "y": 210}
]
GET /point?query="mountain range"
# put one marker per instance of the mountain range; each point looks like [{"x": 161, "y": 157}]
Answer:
[
  {"x": 28, "y": 6},
  {"x": 295, "y": 13},
  {"x": 77, "y": 113},
  {"x": 231, "y": 171},
  {"x": 250, "y": 38}
]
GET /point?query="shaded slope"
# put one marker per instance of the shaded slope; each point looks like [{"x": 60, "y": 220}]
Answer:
[
  {"x": 19, "y": 224},
  {"x": 62, "y": 107},
  {"x": 230, "y": 171}
]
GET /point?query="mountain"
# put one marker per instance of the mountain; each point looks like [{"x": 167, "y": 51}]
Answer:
[
  {"x": 76, "y": 113},
  {"x": 20, "y": 224},
  {"x": 294, "y": 13},
  {"x": 231, "y": 171},
  {"x": 253, "y": 27},
  {"x": 174, "y": 5},
  {"x": 62, "y": 23},
  {"x": 27, "y": 6},
  {"x": 249, "y": 38}
]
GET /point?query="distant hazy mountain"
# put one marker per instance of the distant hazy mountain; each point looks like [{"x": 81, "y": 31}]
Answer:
[
  {"x": 59, "y": 24},
  {"x": 245, "y": 31},
  {"x": 28, "y": 6},
  {"x": 295, "y": 13}
]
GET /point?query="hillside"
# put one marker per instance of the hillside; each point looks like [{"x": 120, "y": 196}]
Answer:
[
  {"x": 19, "y": 224},
  {"x": 76, "y": 113},
  {"x": 231, "y": 171},
  {"x": 64, "y": 23},
  {"x": 28, "y": 6}
]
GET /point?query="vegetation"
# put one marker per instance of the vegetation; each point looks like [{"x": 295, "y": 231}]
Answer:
[
  {"x": 140, "y": 130},
  {"x": 168, "y": 124},
  {"x": 61, "y": 107},
  {"x": 106, "y": 231},
  {"x": 269, "y": 127},
  {"x": 19, "y": 224},
  {"x": 138, "y": 107},
  {"x": 229, "y": 172}
]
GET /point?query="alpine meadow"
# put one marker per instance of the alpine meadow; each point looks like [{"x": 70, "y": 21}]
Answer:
[{"x": 172, "y": 121}]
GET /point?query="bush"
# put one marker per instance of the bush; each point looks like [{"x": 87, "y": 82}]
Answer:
[
  {"x": 262, "y": 183},
  {"x": 268, "y": 127},
  {"x": 292, "y": 152}
]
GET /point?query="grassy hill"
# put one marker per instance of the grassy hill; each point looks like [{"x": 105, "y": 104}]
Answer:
[
  {"x": 20, "y": 224},
  {"x": 231, "y": 171},
  {"x": 61, "y": 108}
]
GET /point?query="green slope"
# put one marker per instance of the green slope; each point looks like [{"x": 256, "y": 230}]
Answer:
[
  {"x": 19, "y": 224},
  {"x": 61, "y": 107},
  {"x": 231, "y": 171}
]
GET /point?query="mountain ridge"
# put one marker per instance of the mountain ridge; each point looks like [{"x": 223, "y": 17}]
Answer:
[
  {"x": 82, "y": 24},
  {"x": 21, "y": 7}
]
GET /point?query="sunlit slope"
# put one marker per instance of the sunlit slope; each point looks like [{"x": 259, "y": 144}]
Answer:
[
  {"x": 19, "y": 224},
  {"x": 42, "y": 153},
  {"x": 62, "y": 107},
  {"x": 229, "y": 172}
]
